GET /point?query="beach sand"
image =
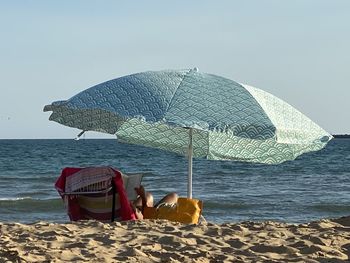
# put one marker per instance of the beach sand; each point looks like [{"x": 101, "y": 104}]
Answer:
[{"x": 164, "y": 241}]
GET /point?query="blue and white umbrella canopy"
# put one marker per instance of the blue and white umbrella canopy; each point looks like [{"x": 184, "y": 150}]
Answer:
[{"x": 189, "y": 111}]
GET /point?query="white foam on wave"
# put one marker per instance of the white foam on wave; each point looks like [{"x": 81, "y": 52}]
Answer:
[{"x": 15, "y": 198}]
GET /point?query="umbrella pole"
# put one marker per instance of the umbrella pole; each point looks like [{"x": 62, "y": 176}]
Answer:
[{"x": 190, "y": 153}]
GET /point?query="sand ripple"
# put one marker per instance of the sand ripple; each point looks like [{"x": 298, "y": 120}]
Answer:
[{"x": 164, "y": 241}]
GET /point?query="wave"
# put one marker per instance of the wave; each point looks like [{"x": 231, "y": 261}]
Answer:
[
  {"x": 14, "y": 198},
  {"x": 28, "y": 204},
  {"x": 334, "y": 208},
  {"x": 36, "y": 178},
  {"x": 226, "y": 206}
]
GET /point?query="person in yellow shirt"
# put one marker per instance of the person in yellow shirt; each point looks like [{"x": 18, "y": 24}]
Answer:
[{"x": 145, "y": 199}]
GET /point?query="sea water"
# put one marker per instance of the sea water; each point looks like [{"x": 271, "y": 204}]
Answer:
[{"x": 314, "y": 186}]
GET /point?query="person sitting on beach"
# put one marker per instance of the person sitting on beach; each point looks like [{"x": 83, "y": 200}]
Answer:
[{"x": 145, "y": 199}]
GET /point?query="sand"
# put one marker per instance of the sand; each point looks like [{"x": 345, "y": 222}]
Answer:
[{"x": 164, "y": 241}]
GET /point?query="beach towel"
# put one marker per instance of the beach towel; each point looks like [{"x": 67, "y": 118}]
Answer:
[{"x": 94, "y": 206}]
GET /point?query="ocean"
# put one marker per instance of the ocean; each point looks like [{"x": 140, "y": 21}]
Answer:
[{"x": 314, "y": 186}]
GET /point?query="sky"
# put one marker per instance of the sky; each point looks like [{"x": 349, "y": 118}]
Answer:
[{"x": 50, "y": 50}]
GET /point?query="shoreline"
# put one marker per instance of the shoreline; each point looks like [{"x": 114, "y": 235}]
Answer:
[{"x": 326, "y": 240}]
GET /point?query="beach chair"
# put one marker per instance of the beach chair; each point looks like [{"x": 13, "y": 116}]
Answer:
[{"x": 94, "y": 193}]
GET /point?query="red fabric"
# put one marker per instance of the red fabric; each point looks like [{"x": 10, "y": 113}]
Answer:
[{"x": 74, "y": 210}]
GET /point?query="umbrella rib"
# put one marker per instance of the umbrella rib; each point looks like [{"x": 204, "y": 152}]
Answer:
[
  {"x": 208, "y": 144},
  {"x": 173, "y": 95}
]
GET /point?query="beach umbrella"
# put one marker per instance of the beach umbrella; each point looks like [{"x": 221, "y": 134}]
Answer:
[{"x": 195, "y": 114}]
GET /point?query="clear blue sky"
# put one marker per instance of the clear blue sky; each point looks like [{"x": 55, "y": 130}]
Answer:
[{"x": 50, "y": 50}]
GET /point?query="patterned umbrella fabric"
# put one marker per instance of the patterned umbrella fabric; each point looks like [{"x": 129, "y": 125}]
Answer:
[{"x": 225, "y": 120}]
